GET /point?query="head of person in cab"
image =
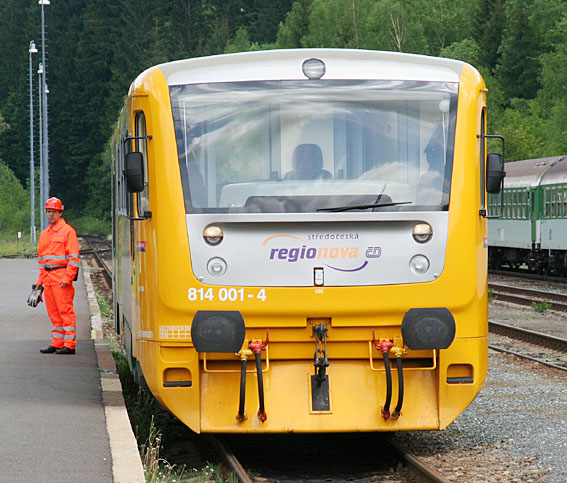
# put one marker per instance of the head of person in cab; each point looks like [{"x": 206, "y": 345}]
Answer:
[{"x": 307, "y": 162}]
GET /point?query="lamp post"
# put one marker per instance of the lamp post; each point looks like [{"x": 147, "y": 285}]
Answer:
[
  {"x": 32, "y": 50},
  {"x": 45, "y": 137},
  {"x": 42, "y": 217}
]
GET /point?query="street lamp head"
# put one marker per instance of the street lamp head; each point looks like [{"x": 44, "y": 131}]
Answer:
[
  {"x": 44, "y": 2},
  {"x": 40, "y": 70},
  {"x": 32, "y": 49}
]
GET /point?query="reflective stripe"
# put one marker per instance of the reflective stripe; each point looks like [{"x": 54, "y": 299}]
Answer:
[
  {"x": 57, "y": 336},
  {"x": 62, "y": 329},
  {"x": 69, "y": 329},
  {"x": 75, "y": 264},
  {"x": 52, "y": 257},
  {"x": 70, "y": 337},
  {"x": 72, "y": 256}
]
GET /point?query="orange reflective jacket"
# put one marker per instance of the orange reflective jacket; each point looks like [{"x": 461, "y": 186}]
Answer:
[{"x": 58, "y": 254}]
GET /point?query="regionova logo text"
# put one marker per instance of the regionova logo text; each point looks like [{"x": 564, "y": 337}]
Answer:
[{"x": 335, "y": 253}]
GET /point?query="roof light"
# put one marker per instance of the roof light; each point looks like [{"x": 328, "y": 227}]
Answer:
[{"x": 314, "y": 68}]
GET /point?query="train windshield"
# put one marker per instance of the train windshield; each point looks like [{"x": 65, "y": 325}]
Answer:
[{"x": 315, "y": 146}]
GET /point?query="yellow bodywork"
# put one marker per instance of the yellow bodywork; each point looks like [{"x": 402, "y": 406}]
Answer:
[{"x": 161, "y": 313}]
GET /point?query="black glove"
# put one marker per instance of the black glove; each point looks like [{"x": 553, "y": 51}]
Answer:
[{"x": 35, "y": 297}]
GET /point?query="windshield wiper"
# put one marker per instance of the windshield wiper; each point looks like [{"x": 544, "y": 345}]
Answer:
[{"x": 337, "y": 209}]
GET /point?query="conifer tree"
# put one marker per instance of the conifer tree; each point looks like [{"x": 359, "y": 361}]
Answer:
[{"x": 519, "y": 65}]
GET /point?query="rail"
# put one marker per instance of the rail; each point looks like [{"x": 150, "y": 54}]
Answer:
[
  {"x": 526, "y": 296},
  {"x": 525, "y": 274},
  {"x": 96, "y": 253},
  {"x": 418, "y": 469},
  {"x": 531, "y": 337}
]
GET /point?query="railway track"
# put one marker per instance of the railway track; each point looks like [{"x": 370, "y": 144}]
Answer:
[
  {"x": 527, "y": 296},
  {"x": 325, "y": 458},
  {"x": 527, "y": 275},
  {"x": 102, "y": 265},
  {"x": 98, "y": 249},
  {"x": 528, "y": 344}
]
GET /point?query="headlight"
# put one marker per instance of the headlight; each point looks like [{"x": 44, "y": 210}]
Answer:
[
  {"x": 213, "y": 234},
  {"x": 422, "y": 232},
  {"x": 419, "y": 264},
  {"x": 216, "y": 267}
]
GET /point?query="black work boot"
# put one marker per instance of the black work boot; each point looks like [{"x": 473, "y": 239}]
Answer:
[
  {"x": 48, "y": 350},
  {"x": 65, "y": 350}
]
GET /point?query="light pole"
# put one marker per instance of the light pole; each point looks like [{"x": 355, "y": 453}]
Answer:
[
  {"x": 45, "y": 147},
  {"x": 42, "y": 217},
  {"x": 32, "y": 50}
]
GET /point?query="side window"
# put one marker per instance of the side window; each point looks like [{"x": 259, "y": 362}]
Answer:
[
  {"x": 141, "y": 146},
  {"x": 482, "y": 159},
  {"x": 121, "y": 192}
]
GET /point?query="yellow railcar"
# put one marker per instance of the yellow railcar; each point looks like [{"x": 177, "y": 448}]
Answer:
[{"x": 299, "y": 239}]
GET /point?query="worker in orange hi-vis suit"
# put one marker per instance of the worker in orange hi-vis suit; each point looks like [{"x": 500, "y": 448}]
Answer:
[{"x": 58, "y": 258}]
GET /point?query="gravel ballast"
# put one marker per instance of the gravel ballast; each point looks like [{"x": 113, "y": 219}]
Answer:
[{"x": 516, "y": 428}]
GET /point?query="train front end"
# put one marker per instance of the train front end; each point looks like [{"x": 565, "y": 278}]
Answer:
[{"x": 320, "y": 258}]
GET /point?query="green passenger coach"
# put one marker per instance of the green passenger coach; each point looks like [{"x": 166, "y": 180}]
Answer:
[{"x": 532, "y": 231}]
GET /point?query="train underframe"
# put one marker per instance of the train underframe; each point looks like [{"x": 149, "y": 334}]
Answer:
[{"x": 534, "y": 260}]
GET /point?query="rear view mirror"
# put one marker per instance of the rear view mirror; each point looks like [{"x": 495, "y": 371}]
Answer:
[
  {"x": 134, "y": 172},
  {"x": 494, "y": 173}
]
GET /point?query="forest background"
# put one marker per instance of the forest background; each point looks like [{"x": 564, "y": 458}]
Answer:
[{"x": 96, "y": 48}]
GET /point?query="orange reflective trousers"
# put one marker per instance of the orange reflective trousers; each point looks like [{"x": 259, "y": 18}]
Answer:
[{"x": 59, "y": 304}]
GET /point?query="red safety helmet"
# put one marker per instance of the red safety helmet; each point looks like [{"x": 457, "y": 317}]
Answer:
[{"x": 54, "y": 204}]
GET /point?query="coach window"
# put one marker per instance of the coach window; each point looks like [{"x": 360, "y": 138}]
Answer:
[
  {"x": 545, "y": 200},
  {"x": 141, "y": 146},
  {"x": 121, "y": 193}
]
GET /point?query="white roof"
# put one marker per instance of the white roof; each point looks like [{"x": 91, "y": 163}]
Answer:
[{"x": 341, "y": 64}]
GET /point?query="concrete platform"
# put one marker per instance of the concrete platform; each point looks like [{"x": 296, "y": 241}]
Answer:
[{"x": 62, "y": 417}]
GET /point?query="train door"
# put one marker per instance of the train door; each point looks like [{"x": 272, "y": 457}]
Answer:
[
  {"x": 141, "y": 236},
  {"x": 123, "y": 303}
]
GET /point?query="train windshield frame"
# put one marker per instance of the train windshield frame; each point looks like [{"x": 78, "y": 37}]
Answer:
[{"x": 315, "y": 146}]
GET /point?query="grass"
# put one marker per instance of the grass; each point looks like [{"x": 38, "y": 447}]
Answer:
[
  {"x": 90, "y": 225},
  {"x": 541, "y": 307},
  {"x": 104, "y": 306},
  {"x": 157, "y": 469},
  {"x": 10, "y": 245}
]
